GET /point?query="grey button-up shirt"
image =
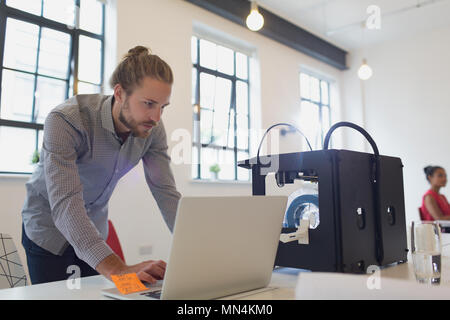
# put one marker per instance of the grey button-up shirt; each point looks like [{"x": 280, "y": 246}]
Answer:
[{"x": 82, "y": 159}]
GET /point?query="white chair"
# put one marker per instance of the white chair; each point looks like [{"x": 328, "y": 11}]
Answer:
[{"x": 12, "y": 273}]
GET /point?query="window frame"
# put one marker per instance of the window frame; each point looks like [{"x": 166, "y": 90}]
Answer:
[
  {"x": 197, "y": 107},
  {"x": 320, "y": 103},
  {"x": 72, "y": 77}
]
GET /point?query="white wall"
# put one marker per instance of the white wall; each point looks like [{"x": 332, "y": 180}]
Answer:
[
  {"x": 406, "y": 107},
  {"x": 166, "y": 27}
]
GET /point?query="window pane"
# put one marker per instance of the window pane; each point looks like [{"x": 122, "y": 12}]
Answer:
[
  {"x": 91, "y": 13},
  {"x": 31, "y": 6},
  {"x": 324, "y": 89},
  {"x": 241, "y": 65},
  {"x": 71, "y": 82},
  {"x": 230, "y": 142},
  {"x": 90, "y": 60},
  {"x": 209, "y": 157},
  {"x": 21, "y": 45},
  {"x": 304, "y": 86},
  {"x": 54, "y": 53},
  {"x": 225, "y": 60},
  {"x": 17, "y": 96},
  {"x": 214, "y": 92},
  {"x": 242, "y": 131},
  {"x": 309, "y": 122},
  {"x": 315, "y": 90},
  {"x": 196, "y": 126},
  {"x": 40, "y": 139},
  {"x": 241, "y": 97},
  {"x": 207, "y": 90},
  {"x": 243, "y": 174},
  {"x": 242, "y": 122},
  {"x": 19, "y": 145},
  {"x": 226, "y": 164},
  {"x": 325, "y": 120},
  {"x": 208, "y": 54},
  {"x": 220, "y": 127},
  {"x": 87, "y": 88},
  {"x": 194, "y": 86},
  {"x": 49, "y": 94},
  {"x": 60, "y": 10},
  {"x": 222, "y": 99},
  {"x": 194, "y": 55},
  {"x": 206, "y": 117},
  {"x": 194, "y": 162}
]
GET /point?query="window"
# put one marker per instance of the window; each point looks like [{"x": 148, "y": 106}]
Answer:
[
  {"x": 314, "y": 108},
  {"x": 220, "y": 98},
  {"x": 49, "y": 51}
]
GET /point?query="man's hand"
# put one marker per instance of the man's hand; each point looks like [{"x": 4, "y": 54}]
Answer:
[{"x": 149, "y": 271}]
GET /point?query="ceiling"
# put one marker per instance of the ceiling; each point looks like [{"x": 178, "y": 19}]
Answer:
[{"x": 340, "y": 21}]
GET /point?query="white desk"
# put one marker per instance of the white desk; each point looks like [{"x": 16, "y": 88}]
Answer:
[
  {"x": 313, "y": 285},
  {"x": 396, "y": 281},
  {"x": 90, "y": 289}
]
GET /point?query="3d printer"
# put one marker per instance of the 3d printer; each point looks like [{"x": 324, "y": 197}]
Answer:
[{"x": 360, "y": 219}]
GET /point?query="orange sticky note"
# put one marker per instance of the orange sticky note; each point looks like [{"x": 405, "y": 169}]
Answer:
[{"x": 128, "y": 283}]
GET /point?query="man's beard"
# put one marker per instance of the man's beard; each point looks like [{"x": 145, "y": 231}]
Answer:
[{"x": 131, "y": 124}]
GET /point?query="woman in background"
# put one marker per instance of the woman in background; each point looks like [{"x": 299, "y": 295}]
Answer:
[{"x": 434, "y": 205}]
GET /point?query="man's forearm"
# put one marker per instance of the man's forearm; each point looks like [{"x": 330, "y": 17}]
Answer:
[
  {"x": 148, "y": 271},
  {"x": 112, "y": 264}
]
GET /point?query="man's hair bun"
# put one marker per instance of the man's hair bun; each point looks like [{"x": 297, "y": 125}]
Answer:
[
  {"x": 138, "y": 63},
  {"x": 137, "y": 51}
]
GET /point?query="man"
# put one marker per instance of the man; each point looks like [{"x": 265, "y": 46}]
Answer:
[{"x": 90, "y": 142}]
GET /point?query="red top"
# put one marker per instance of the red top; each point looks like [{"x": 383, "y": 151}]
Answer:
[{"x": 441, "y": 202}]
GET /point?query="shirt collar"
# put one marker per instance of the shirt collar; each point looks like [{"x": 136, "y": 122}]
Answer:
[{"x": 106, "y": 114}]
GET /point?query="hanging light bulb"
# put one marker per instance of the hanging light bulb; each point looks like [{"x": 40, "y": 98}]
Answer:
[
  {"x": 255, "y": 20},
  {"x": 365, "y": 71}
]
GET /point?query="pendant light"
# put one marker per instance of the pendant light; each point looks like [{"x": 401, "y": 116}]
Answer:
[
  {"x": 365, "y": 71},
  {"x": 255, "y": 20}
]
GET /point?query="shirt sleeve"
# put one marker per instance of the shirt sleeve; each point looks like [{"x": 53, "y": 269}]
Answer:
[
  {"x": 65, "y": 191},
  {"x": 159, "y": 176}
]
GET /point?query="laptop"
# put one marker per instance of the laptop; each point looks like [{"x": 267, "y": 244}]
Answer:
[{"x": 221, "y": 246}]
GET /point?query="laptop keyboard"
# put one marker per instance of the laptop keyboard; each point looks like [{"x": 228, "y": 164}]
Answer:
[{"x": 153, "y": 294}]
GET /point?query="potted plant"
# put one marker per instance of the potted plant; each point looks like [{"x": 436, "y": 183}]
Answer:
[
  {"x": 214, "y": 169},
  {"x": 35, "y": 157}
]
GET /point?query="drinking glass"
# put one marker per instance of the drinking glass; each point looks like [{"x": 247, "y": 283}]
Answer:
[{"x": 426, "y": 250}]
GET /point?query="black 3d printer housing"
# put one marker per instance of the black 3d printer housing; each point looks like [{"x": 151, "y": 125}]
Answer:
[{"x": 361, "y": 206}]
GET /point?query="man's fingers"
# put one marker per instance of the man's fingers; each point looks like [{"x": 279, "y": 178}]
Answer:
[
  {"x": 150, "y": 271},
  {"x": 155, "y": 271},
  {"x": 162, "y": 264},
  {"x": 144, "y": 276}
]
